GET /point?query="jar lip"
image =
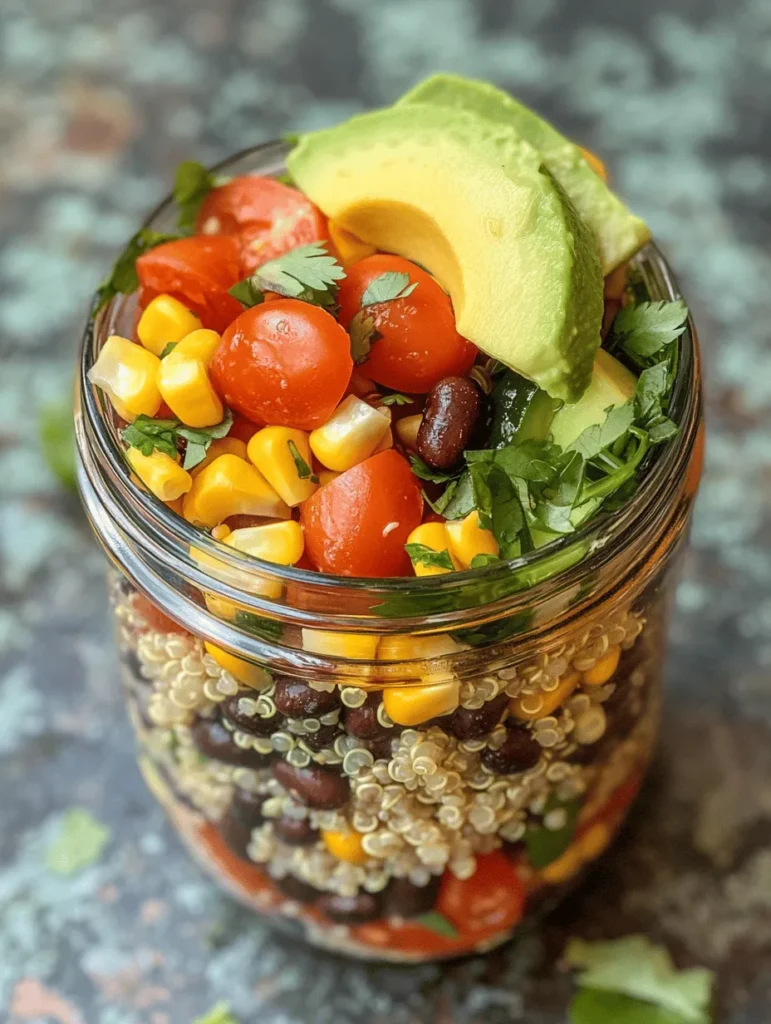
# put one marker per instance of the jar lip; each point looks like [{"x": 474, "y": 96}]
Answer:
[{"x": 97, "y": 438}]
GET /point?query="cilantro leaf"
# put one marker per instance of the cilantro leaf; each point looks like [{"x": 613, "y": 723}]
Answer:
[
  {"x": 545, "y": 845},
  {"x": 307, "y": 272},
  {"x": 480, "y": 561},
  {"x": 662, "y": 431},
  {"x": 421, "y": 554},
  {"x": 219, "y": 1014},
  {"x": 507, "y": 518},
  {"x": 79, "y": 844},
  {"x": 192, "y": 184},
  {"x": 438, "y": 923},
  {"x": 458, "y": 498},
  {"x": 425, "y": 472},
  {"x": 593, "y": 1006},
  {"x": 123, "y": 278},
  {"x": 635, "y": 967},
  {"x": 149, "y": 435},
  {"x": 363, "y": 335},
  {"x": 257, "y": 625},
  {"x": 651, "y": 392},
  {"x": 395, "y": 399},
  {"x": 386, "y": 287},
  {"x": 591, "y": 441},
  {"x": 199, "y": 438},
  {"x": 56, "y": 430},
  {"x": 168, "y": 348},
  {"x": 644, "y": 329},
  {"x": 304, "y": 471}
]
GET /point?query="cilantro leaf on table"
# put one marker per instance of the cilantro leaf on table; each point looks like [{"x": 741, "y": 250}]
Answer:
[
  {"x": 593, "y": 1006},
  {"x": 219, "y": 1014},
  {"x": 192, "y": 183},
  {"x": 363, "y": 335},
  {"x": 634, "y": 966},
  {"x": 386, "y": 287},
  {"x": 307, "y": 272},
  {"x": 79, "y": 844},
  {"x": 149, "y": 435},
  {"x": 304, "y": 471},
  {"x": 123, "y": 278},
  {"x": 421, "y": 554},
  {"x": 642, "y": 330}
]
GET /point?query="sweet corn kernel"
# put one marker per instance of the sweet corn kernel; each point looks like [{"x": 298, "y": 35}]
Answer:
[
  {"x": 604, "y": 668},
  {"x": 595, "y": 841},
  {"x": 529, "y": 706},
  {"x": 242, "y": 579},
  {"x": 350, "y": 435},
  {"x": 345, "y": 846},
  {"x": 160, "y": 474},
  {"x": 270, "y": 452},
  {"x": 468, "y": 539},
  {"x": 244, "y": 671},
  {"x": 200, "y": 344},
  {"x": 326, "y": 476},
  {"x": 222, "y": 446},
  {"x": 230, "y": 486},
  {"x": 175, "y": 505},
  {"x": 434, "y": 536},
  {"x": 185, "y": 387},
  {"x": 407, "y": 429},
  {"x": 411, "y": 705},
  {"x": 386, "y": 442},
  {"x": 164, "y": 320},
  {"x": 404, "y": 647},
  {"x": 127, "y": 373},
  {"x": 282, "y": 543},
  {"x": 220, "y": 532},
  {"x": 595, "y": 163},
  {"x": 221, "y": 607},
  {"x": 349, "y": 247},
  {"x": 564, "y": 867},
  {"x": 358, "y": 646}
]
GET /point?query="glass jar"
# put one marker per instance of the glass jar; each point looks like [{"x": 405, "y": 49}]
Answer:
[{"x": 401, "y": 769}]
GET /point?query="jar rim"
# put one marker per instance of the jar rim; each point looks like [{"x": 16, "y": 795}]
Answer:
[{"x": 106, "y": 480}]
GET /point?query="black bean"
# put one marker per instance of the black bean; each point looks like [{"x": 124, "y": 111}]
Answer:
[
  {"x": 362, "y": 722},
  {"x": 295, "y": 831},
  {"x": 323, "y": 738},
  {"x": 235, "y": 834},
  {"x": 294, "y": 889},
  {"x": 133, "y": 665},
  {"x": 474, "y": 723},
  {"x": 246, "y": 807},
  {"x": 449, "y": 417},
  {"x": 402, "y": 898},
  {"x": 381, "y": 747},
  {"x": 322, "y": 788},
  {"x": 350, "y": 909},
  {"x": 213, "y": 739},
  {"x": 254, "y": 724},
  {"x": 518, "y": 752},
  {"x": 297, "y": 699}
]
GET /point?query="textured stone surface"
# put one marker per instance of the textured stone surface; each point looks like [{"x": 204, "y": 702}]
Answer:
[{"x": 97, "y": 104}]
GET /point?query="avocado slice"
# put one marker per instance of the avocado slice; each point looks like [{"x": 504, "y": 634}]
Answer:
[
  {"x": 619, "y": 232},
  {"x": 611, "y": 385},
  {"x": 469, "y": 200}
]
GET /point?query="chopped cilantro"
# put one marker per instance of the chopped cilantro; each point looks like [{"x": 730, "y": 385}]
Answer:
[
  {"x": 386, "y": 287},
  {"x": 480, "y": 561},
  {"x": 421, "y": 554},
  {"x": 219, "y": 1014},
  {"x": 79, "y": 844},
  {"x": 199, "y": 438},
  {"x": 545, "y": 845},
  {"x": 591, "y": 442},
  {"x": 168, "y": 349},
  {"x": 149, "y": 435},
  {"x": 425, "y": 472},
  {"x": 438, "y": 923},
  {"x": 304, "y": 471},
  {"x": 307, "y": 272},
  {"x": 642, "y": 330},
  {"x": 192, "y": 184},
  {"x": 123, "y": 277},
  {"x": 363, "y": 335},
  {"x": 395, "y": 399},
  {"x": 593, "y": 1006}
]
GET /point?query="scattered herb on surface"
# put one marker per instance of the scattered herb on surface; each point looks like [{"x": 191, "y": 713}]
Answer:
[
  {"x": 192, "y": 184},
  {"x": 79, "y": 844},
  {"x": 219, "y": 1014},
  {"x": 123, "y": 278},
  {"x": 149, "y": 435},
  {"x": 56, "y": 430},
  {"x": 421, "y": 554},
  {"x": 307, "y": 272},
  {"x": 593, "y": 1006},
  {"x": 304, "y": 471},
  {"x": 386, "y": 287}
]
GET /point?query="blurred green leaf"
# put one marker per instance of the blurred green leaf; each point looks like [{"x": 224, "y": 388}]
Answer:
[{"x": 56, "y": 430}]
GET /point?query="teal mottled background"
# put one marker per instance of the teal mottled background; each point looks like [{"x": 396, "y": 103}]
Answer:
[{"x": 98, "y": 102}]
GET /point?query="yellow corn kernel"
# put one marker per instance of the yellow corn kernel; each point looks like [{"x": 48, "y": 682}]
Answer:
[
  {"x": 349, "y": 247},
  {"x": 468, "y": 539},
  {"x": 185, "y": 387},
  {"x": 242, "y": 579},
  {"x": 222, "y": 446},
  {"x": 595, "y": 841},
  {"x": 595, "y": 163},
  {"x": 221, "y": 607},
  {"x": 350, "y": 435},
  {"x": 127, "y": 373},
  {"x": 199, "y": 344},
  {"x": 345, "y": 846},
  {"x": 160, "y": 474},
  {"x": 326, "y": 476},
  {"x": 407, "y": 429},
  {"x": 220, "y": 532},
  {"x": 230, "y": 486},
  {"x": 270, "y": 452},
  {"x": 358, "y": 646},
  {"x": 175, "y": 505},
  {"x": 386, "y": 442},
  {"x": 244, "y": 671},
  {"x": 404, "y": 647},
  {"x": 434, "y": 536},
  {"x": 411, "y": 705},
  {"x": 564, "y": 867},
  {"x": 604, "y": 668},
  {"x": 530, "y": 706},
  {"x": 282, "y": 543},
  {"x": 165, "y": 319}
]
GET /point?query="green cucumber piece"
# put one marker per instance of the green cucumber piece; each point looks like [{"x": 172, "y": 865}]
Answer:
[{"x": 521, "y": 411}]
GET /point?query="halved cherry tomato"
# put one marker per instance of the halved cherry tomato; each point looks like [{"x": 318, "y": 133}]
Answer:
[
  {"x": 492, "y": 900},
  {"x": 284, "y": 362},
  {"x": 268, "y": 217},
  {"x": 198, "y": 272},
  {"x": 358, "y": 524},
  {"x": 155, "y": 618},
  {"x": 418, "y": 343},
  {"x": 242, "y": 428}
]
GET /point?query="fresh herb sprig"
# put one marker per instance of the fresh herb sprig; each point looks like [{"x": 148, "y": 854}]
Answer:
[
  {"x": 123, "y": 278},
  {"x": 149, "y": 435},
  {"x": 386, "y": 287},
  {"x": 192, "y": 183},
  {"x": 422, "y": 554},
  {"x": 307, "y": 272},
  {"x": 304, "y": 471}
]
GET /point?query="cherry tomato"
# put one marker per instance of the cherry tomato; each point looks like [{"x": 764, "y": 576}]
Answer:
[
  {"x": 198, "y": 272},
  {"x": 155, "y": 618},
  {"x": 242, "y": 429},
  {"x": 358, "y": 524},
  {"x": 418, "y": 342},
  {"x": 492, "y": 899},
  {"x": 285, "y": 363},
  {"x": 268, "y": 217}
]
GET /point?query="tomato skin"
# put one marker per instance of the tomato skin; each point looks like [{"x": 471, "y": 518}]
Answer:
[
  {"x": 198, "y": 272},
  {"x": 344, "y": 520},
  {"x": 492, "y": 900},
  {"x": 267, "y": 216},
  {"x": 418, "y": 342},
  {"x": 285, "y": 363}
]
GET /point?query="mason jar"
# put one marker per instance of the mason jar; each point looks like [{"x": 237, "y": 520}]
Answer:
[{"x": 402, "y": 769}]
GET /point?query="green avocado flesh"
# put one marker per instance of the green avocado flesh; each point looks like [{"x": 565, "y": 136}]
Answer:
[
  {"x": 611, "y": 385},
  {"x": 469, "y": 199},
  {"x": 619, "y": 232}
]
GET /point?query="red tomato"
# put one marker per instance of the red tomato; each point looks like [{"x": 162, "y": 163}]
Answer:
[
  {"x": 492, "y": 899},
  {"x": 269, "y": 218},
  {"x": 418, "y": 342},
  {"x": 348, "y": 523},
  {"x": 242, "y": 429},
  {"x": 154, "y": 617},
  {"x": 198, "y": 272},
  {"x": 284, "y": 362}
]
